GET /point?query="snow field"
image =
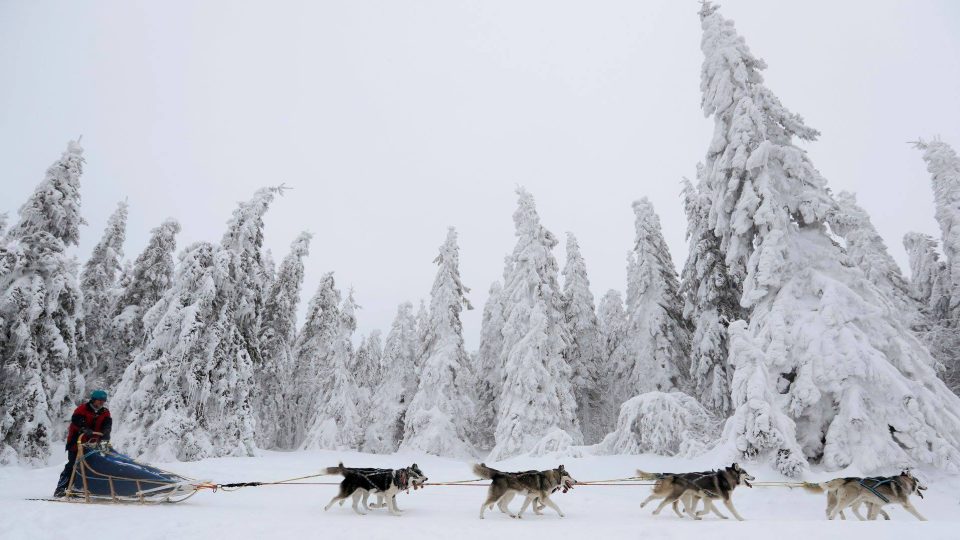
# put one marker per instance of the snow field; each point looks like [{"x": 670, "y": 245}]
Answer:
[{"x": 444, "y": 512}]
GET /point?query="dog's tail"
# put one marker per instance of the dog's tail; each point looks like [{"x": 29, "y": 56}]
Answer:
[
  {"x": 483, "y": 471},
  {"x": 814, "y": 487},
  {"x": 644, "y": 475},
  {"x": 334, "y": 470}
]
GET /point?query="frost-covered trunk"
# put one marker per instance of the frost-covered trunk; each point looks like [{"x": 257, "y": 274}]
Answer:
[
  {"x": 41, "y": 317},
  {"x": 439, "y": 418},
  {"x": 536, "y": 400}
]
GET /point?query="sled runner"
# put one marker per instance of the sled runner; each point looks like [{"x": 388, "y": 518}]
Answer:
[{"x": 101, "y": 474}]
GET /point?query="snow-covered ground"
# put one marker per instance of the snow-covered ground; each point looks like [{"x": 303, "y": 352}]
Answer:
[{"x": 446, "y": 512}]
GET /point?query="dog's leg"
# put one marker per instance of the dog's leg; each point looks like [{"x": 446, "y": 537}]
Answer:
[
  {"x": 366, "y": 497},
  {"x": 356, "y": 501},
  {"x": 668, "y": 500},
  {"x": 689, "y": 506},
  {"x": 392, "y": 505},
  {"x": 335, "y": 498},
  {"x": 526, "y": 503},
  {"x": 394, "y": 499},
  {"x": 729, "y": 505},
  {"x": 492, "y": 497},
  {"x": 648, "y": 499},
  {"x": 714, "y": 509},
  {"x": 909, "y": 508},
  {"x": 504, "y": 502},
  {"x": 549, "y": 502}
]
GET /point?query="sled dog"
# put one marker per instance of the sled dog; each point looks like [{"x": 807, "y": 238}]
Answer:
[
  {"x": 536, "y": 486},
  {"x": 690, "y": 488},
  {"x": 359, "y": 483},
  {"x": 874, "y": 492}
]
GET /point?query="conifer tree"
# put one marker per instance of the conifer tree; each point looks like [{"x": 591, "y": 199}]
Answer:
[
  {"x": 583, "y": 352},
  {"x": 41, "y": 315},
  {"x": 98, "y": 283},
  {"x": 439, "y": 418},
  {"x": 277, "y": 334},
  {"x": 536, "y": 408},
  {"x": 858, "y": 385},
  {"x": 147, "y": 280},
  {"x": 398, "y": 385},
  {"x": 487, "y": 369}
]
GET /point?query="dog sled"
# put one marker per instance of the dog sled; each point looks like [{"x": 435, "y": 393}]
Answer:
[{"x": 101, "y": 474}]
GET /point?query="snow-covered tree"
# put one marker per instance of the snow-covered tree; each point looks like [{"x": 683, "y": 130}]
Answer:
[
  {"x": 865, "y": 248},
  {"x": 612, "y": 323},
  {"x": 98, "y": 283},
  {"x": 423, "y": 332},
  {"x": 337, "y": 421},
  {"x": 370, "y": 361},
  {"x": 41, "y": 315},
  {"x": 658, "y": 340},
  {"x": 311, "y": 352},
  {"x": 536, "y": 400},
  {"x": 660, "y": 423},
  {"x": 928, "y": 274},
  {"x": 189, "y": 392},
  {"x": 388, "y": 407},
  {"x": 439, "y": 420},
  {"x": 758, "y": 427},
  {"x": 141, "y": 287},
  {"x": 943, "y": 164},
  {"x": 277, "y": 333},
  {"x": 856, "y": 382},
  {"x": 584, "y": 351},
  {"x": 711, "y": 298},
  {"x": 487, "y": 369}
]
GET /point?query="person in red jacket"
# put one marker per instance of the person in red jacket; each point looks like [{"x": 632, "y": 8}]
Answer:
[{"x": 92, "y": 420}]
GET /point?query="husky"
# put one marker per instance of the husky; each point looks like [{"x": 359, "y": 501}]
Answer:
[
  {"x": 874, "y": 492},
  {"x": 690, "y": 488},
  {"x": 536, "y": 486},
  {"x": 359, "y": 483}
]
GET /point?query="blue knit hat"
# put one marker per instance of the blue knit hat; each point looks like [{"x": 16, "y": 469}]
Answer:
[{"x": 98, "y": 394}]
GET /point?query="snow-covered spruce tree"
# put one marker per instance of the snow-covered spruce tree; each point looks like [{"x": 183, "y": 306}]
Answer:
[
  {"x": 311, "y": 352},
  {"x": 943, "y": 163},
  {"x": 392, "y": 398},
  {"x": 658, "y": 339},
  {"x": 277, "y": 333},
  {"x": 370, "y": 361},
  {"x": 439, "y": 420},
  {"x": 711, "y": 299},
  {"x": 758, "y": 427},
  {"x": 337, "y": 421},
  {"x": 660, "y": 423},
  {"x": 98, "y": 283},
  {"x": 40, "y": 316},
  {"x": 583, "y": 353},
  {"x": 536, "y": 401},
  {"x": 866, "y": 249},
  {"x": 487, "y": 369},
  {"x": 928, "y": 275},
  {"x": 189, "y": 392},
  {"x": 612, "y": 323},
  {"x": 857, "y": 383},
  {"x": 423, "y": 332},
  {"x": 141, "y": 287}
]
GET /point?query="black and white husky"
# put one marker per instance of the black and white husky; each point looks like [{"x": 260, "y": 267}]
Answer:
[{"x": 359, "y": 483}]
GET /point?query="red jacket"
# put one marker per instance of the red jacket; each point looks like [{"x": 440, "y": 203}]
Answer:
[{"x": 85, "y": 420}]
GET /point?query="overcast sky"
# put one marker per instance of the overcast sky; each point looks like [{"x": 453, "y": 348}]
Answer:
[{"x": 393, "y": 120}]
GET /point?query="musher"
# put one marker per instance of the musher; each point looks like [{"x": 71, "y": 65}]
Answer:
[{"x": 92, "y": 420}]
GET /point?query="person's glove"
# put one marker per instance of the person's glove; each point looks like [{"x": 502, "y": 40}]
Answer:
[{"x": 103, "y": 446}]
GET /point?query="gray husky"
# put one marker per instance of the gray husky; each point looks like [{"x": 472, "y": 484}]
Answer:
[
  {"x": 874, "y": 492},
  {"x": 536, "y": 486},
  {"x": 690, "y": 488},
  {"x": 359, "y": 483}
]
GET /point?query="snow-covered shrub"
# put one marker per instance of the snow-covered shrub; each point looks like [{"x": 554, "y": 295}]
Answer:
[{"x": 665, "y": 423}]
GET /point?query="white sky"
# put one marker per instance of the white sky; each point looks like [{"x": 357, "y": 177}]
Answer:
[{"x": 393, "y": 120}]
